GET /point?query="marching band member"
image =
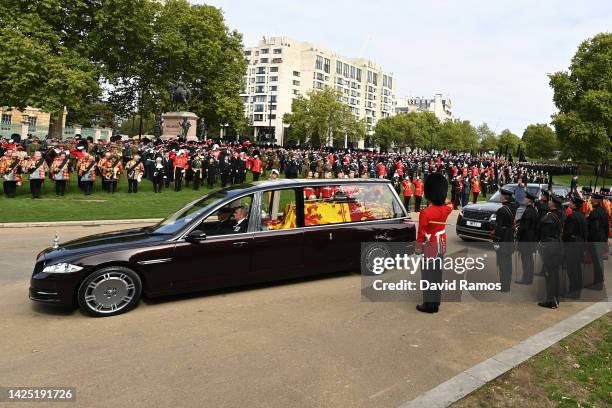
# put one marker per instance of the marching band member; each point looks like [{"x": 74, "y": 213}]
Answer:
[
  {"x": 87, "y": 173},
  {"x": 10, "y": 170},
  {"x": 60, "y": 172},
  {"x": 37, "y": 169},
  {"x": 134, "y": 169}
]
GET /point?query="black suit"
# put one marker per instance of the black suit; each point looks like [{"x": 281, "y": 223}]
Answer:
[
  {"x": 598, "y": 236},
  {"x": 504, "y": 237},
  {"x": 574, "y": 236},
  {"x": 240, "y": 227},
  {"x": 527, "y": 236}
]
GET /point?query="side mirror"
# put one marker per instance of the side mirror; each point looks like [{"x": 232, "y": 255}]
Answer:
[{"x": 196, "y": 237}]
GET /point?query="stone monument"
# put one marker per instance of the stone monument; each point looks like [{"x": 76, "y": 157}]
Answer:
[{"x": 179, "y": 123}]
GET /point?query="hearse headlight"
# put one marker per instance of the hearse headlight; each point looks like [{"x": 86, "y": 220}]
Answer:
[
  {"x": 493, "y": 217},
  {"x": 62, "y": 268}
]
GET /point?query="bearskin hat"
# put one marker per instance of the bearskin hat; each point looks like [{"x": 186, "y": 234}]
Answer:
[{"x": 436, "y": 188}]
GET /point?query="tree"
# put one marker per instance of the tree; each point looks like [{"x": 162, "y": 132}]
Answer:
[
  {"x": 319, "y": 118},
  {"x": 60, "y": 53},
  {"x": 508, "y": 141},
  {"x": 583, "y": 96},
  {"x": 540, "y": 141},
  {"x": 43, "y": 58},
  {"x": 487, "y": 138},
  {"x": 456, "y": 135}
]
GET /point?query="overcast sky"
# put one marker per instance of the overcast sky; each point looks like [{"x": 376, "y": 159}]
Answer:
[{"x": 490, "y": 57}]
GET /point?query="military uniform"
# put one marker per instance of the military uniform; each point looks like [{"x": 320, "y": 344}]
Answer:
[
  {"x": 503, "y": 237},
  {"x": 86, "y": 170},
  {"x": 598, "y": 237},
  {"x": 60, "y": 172},
  {"x": 527, "y": 237},
  {"x": 431, "y": 238},
  {"x": 134, "y": 169},
  {"x": 575, "y": 234},
  {"x": 37, "y": 170},
  {"x": 10, "y": 170},
  {"x": 550, "y": 236}
]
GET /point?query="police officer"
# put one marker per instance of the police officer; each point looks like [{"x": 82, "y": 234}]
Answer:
[
  {"x": 597, "y": 237},
  {"x": 550, "y": 235},
  {"x": 503, "y": 237},
  {"x": 575, "y": 234},
  {"x": 527, "y": 237}
]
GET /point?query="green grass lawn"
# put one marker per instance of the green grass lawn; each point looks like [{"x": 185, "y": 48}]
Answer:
[
  {"x": 75, "y": 206},
  {"x": 576, "y": 372},
  {"x": 97, "y": 206}
]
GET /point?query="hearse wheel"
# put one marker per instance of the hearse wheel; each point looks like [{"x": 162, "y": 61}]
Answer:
[
  {"x": 109, "y": 291},
  {"x": 372, "y": 251}
]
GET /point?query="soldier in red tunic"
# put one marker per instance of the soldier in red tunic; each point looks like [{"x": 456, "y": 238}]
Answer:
[{"x": 431, "y": 238}]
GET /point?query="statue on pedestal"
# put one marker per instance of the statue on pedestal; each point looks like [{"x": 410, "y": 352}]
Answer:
[{"x": 180, "y": 94}]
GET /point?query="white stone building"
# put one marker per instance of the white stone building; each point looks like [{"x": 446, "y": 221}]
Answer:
[
  {"x": 279, "y": 69},
  {"x": 440, "y": 105}
]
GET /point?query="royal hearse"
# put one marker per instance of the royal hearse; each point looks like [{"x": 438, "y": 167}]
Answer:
[{"x": 250, "y": 233}]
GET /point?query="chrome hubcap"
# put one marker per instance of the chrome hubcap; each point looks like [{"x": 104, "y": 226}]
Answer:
[{"x": 110, "y": 292}]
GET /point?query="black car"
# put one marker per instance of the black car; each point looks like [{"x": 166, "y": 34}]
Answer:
[
  {"x": 476, "y": 221},
  {"x": 250, "y": 233}
]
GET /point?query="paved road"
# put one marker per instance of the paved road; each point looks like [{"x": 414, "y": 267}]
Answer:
[{"x": 307, "y": 343}]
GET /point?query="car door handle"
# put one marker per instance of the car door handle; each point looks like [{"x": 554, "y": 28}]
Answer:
[
  {"x": 331, "y": 236},
  {"x": 240, "y": 243}
]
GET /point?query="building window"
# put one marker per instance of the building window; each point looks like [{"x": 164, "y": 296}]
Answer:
[
  {"x": 273, "y": 98},
  {"x": 346, "y": 70},
  {"x": 259, "y": 108},
  {"x": 352, "y": 72},
  {"x": 260, "y": 98},
  {"x": 296, "y": 92},
  {"x": 273, "y": 69},
  {"x": 272, "y": 116},
  {"x": 358, "y": 75},
  {"x": 272, "y": 107},
  {"x": 248, "y": 52},
  {"x": 273, "y": 78},
  {"x": 260, "y": 89},
  {"x": 296, "y": 73},
  {"x": 326, "y": 65},
  {"x": 338, "y": 67},
  {"x": 278, "y": 51},
  {"x": 32, "y": 122},
  {"x": 375, "y": 78},
  {"x": 258, "y": 117},
  {"x": 261, "y": 70},
  {"x": 390, "y": 82},
  {"x": 263, "y": 60},
  {"x": 277, "y": 60},
  {"x": 319, "y": 62},
  {"x": 260, "y": 79},
  {"x": 273, "y": 88},
  {"x": 7, "y": 118},
  {"x": 320, "y": 76},
  {"x": 296, "y": 83},
  {"x": 264, "y": 51}
]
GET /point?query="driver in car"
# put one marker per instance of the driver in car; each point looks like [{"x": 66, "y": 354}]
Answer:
[
  {"x": 226, "y": 223},
  {"x": 240, "y": 220}
]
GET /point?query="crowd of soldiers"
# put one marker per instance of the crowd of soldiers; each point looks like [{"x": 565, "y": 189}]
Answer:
[
  {"x": 178, "y": 164},
  {"x": 566, "y": 239}
]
